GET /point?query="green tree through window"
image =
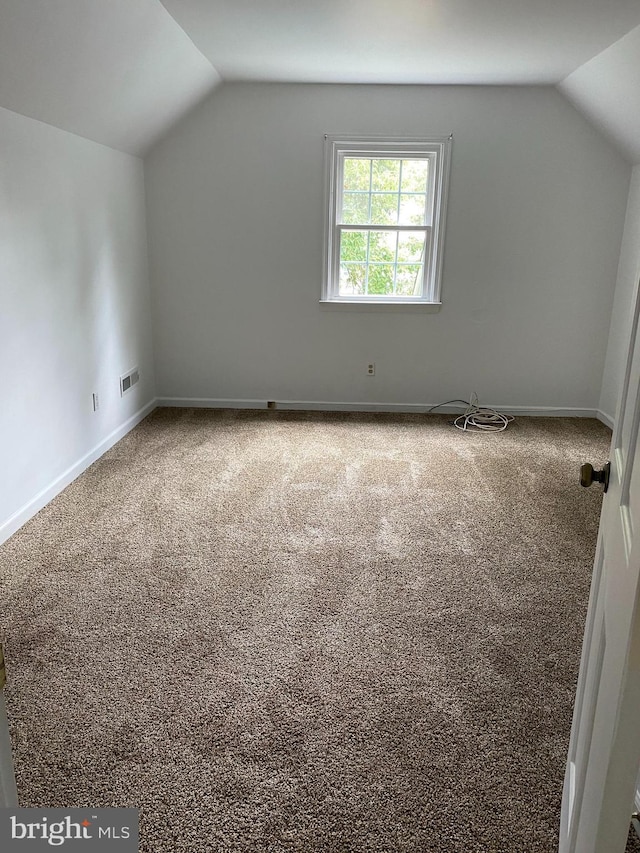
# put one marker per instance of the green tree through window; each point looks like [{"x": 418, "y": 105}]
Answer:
[
  {"x": 384, "y": 205},
  {"x": 384, "y": 192}
]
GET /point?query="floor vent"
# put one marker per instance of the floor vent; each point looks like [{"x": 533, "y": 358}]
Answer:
[{"x": 128, "y": 380}]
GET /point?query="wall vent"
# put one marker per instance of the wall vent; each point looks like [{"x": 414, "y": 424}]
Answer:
[{"x": 128, "y": 380}]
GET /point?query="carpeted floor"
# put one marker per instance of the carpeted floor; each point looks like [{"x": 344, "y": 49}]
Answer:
[
  {"x": 633, "y": 843},
  {"x": 323, "y": 633}
]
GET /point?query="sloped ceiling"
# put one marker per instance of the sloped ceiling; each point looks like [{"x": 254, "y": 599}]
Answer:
[
  {"x": 119, "y": 72},
  {"x": 607, "y": 90},
  {"x": 404, "y": 41},
  {"x": 122, "y": 72}
]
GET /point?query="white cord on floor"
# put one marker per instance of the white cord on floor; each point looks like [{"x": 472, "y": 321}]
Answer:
[{"x": 477, "y": 418}]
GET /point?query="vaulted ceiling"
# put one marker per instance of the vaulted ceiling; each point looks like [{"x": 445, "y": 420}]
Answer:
[
  {"x": 607, "y": 90},
  {"x": 403, "y": 41},
  {"x": 121, "y": 72}
]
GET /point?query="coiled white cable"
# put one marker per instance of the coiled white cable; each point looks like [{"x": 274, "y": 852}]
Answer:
[{"x": 477, "y": 418}]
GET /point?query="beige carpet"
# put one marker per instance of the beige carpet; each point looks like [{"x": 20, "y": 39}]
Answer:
[{"x": 301, "y": 632}]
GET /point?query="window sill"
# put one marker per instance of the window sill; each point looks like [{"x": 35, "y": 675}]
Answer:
[{"x": 374, "y": 306}]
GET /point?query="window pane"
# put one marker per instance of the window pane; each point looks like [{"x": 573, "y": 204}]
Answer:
[
  {"x": 415, "y": 176},
  {"x": 386, "y": 176},
  {"x": 384, "y": 209},
  {"x": 353, "y": 247},
  {"x": 352, "y": 279},
  {"x": 381, "y": 279},
  {"x": 382, "y": 223},
  {"x": 383, "y": 246},
  {"x": 412, "y": 209},
  {"x": 355, "y": 209},
  {"x": 357, "y": 173},
  {"x": 409, "y": 280},
  {"x": 411, "y": 247}
]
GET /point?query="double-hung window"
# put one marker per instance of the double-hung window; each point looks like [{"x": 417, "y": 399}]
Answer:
[{"x": 385, "y": 216}]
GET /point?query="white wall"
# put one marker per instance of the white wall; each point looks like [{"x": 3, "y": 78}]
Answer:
[
  {"x": 621, "y": 315},
  {"x": 235, "y": 213},
  {"x": 74, "y": 306}
]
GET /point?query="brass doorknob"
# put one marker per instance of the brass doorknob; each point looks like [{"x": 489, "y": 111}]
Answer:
[{"x": 588, "y": 475}]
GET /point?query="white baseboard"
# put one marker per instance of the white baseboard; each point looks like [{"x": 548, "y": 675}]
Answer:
[
  {"x": 333, "y": 406},
  {"x": 606, "y": 419},
  {"x": 15, "y": 522},
  {"x": 207, "y": 403}
]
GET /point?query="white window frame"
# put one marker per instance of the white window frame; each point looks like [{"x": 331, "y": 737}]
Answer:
[{"x": 437, "y": 149}]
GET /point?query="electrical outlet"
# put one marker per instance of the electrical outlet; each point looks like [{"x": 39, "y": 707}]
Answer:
[
  {"x": 371, "y": 369},
  {"x": 96, "y": 402}
]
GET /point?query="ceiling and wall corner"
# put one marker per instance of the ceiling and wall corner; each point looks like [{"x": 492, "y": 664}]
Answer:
[
  {"x": 409, "y": 42},
  {"x": 119, "y": 73},
  {"x": 606, "y": 89},
  {"x": 123, "y": 73}
]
